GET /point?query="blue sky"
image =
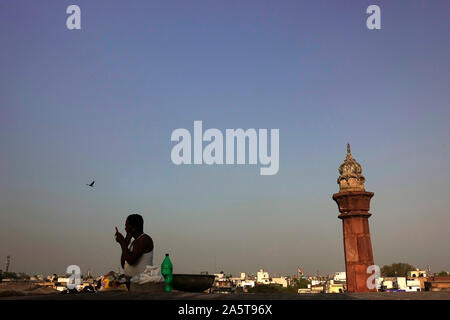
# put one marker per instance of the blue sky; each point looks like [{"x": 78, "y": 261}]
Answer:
[{"x": 101, "y": 102}]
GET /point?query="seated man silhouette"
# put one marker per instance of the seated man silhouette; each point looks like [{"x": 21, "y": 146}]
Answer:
[{"x": 139, "y": 254}]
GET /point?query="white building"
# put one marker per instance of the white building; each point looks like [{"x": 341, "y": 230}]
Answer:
[
  {"x": 247, "y": 283},
  {"x": 317, "y": 282},
  {"x": 413, "y": 285},
  {"x": 220, "y": 276},
  {"x": 262, "y": 277},
  {"x": 408, "y": 285},
  {"x": 281, "y": 280},
  {"x": 340, "y": 276},
  {"x": 400, "y": 283},
  {"x": 417, "y": 274},
  {"x": 388, "y": 284},
  {"x": 61, "y": 283}
]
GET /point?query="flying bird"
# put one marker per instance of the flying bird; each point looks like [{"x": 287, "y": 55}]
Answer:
[{"x": 91, "y": 184}]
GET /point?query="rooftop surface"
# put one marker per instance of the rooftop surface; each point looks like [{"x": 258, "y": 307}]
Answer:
[{"x": 438, "y": 295}]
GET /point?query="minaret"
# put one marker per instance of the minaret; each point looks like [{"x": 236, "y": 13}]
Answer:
[
  {"x": 8, "y": 261},
  {"x": 354, "y": 203}
]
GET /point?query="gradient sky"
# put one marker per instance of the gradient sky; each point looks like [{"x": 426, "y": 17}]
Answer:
[{"x": 103, "y": 101}]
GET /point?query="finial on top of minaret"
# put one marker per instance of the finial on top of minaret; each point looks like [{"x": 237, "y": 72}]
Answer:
[{"x": 350, "y": 178}]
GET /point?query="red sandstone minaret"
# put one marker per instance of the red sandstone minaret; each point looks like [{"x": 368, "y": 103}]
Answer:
[{"x": 354, "y": 204}]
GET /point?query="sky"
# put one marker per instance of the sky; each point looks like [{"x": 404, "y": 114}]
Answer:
[{"x": 101, "y": 103}]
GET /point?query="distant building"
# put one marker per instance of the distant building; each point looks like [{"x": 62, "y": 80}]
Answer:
[
  {"x": 247, "y": 284},
  {"x": 60, "y": 283},
  {"x": 438, "y": 284},
  {"x": 220, "y": 276},
  {"x": 417, "y": 274},
  {"x": 223, "y": 284},
  {"x": 413, "y": 285},
  {"x": 387, "y": 283},
  {"x": 262, "y": 277},
  {"x": 317, "y": 282},
  {"x": 283, "y": 281},
  {"x": 400, "y": 284},
  {"x": 318, "y": 288},
  {"x": 336, "y": 286},
  {"x": 340, "y": 276},
  {"x": 304, "y": 290}
]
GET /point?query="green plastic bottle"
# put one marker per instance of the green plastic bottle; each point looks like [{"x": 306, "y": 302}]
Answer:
[{"x": 166, "y": 271}]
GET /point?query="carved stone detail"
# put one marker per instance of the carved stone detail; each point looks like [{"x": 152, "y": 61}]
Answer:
[{"x": 351, "y": 178}]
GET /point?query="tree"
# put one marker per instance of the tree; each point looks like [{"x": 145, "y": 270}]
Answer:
[
  {"x": 272, "y": 288},
  {"x": 9, "y": 275},
  {"x": 443, "y": 274},
  {"x": 301, "y": 283},
  {"x": 399, "y": 269}
]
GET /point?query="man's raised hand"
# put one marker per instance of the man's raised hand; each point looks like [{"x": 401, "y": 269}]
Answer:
[{"x": 119, "y": 237}]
